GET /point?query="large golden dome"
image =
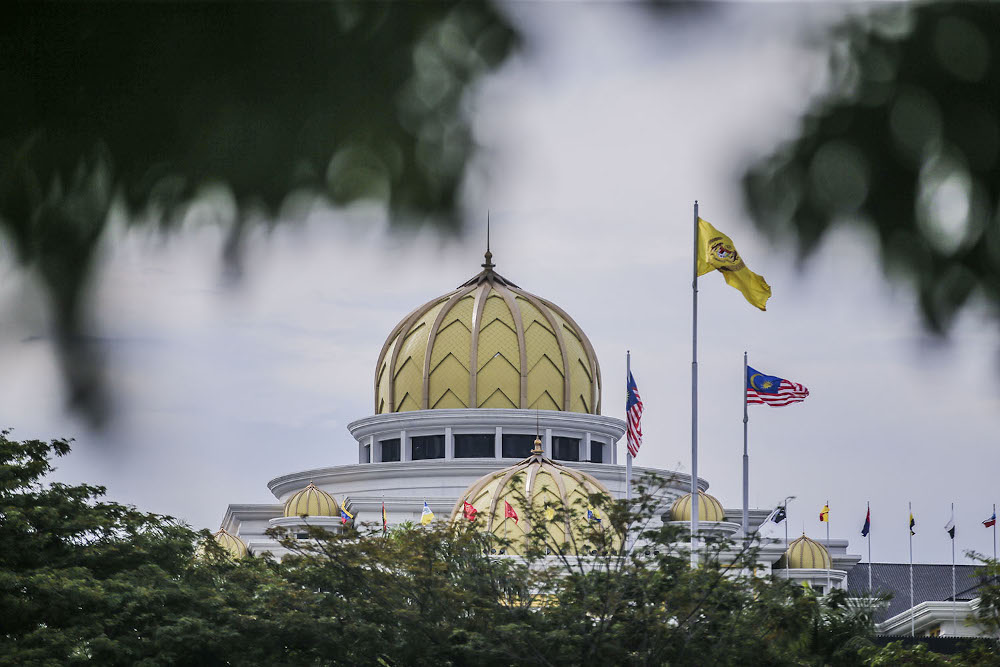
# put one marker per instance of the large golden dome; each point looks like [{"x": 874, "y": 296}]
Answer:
[
  {"x": 558, "y": 494},
  {"x": 488, "y": 344}
]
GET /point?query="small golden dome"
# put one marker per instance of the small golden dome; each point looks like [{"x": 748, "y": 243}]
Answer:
[
  {"x": 709, "y": 508},
  {"x": 488, "y": 344},
  {"x": 805, "y": 554},
  {"x": 311, "y": 501},
  {"x": 542, "y": 484},
  {"x": 236, "y": 547}
]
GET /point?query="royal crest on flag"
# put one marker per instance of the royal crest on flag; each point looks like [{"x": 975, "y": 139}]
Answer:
[
  {"x": 772, "y": 390},
  {"x": 824, "y": 514},
  {"x": 633, "y": 415},
  {"x": 716, "y": 252}
]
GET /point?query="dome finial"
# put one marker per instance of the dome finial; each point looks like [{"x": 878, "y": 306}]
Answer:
[
  {"x": 538, "y": 438},
  {"x": 488, "y": 265}
]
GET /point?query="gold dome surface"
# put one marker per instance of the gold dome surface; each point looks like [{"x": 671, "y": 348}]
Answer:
[
  {"x": 709, "y": 508},
  {"x": 805, "y": 553},
  {"x": 542, "y": 484},
  {"x": 232, "y": 544},
  {"x": 311, "y": 501},
  {"x": 488, "y": 344}
]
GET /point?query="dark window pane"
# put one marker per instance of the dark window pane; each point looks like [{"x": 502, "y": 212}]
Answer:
[
  {"x": 427, "y": 447},
  {"x": 367, "y": 456},
  {"x": 390, "y": 450},
  {"x": 566, "y": 449},
  {"x": 475, "y": 446},
  {"x": 516, "y": 446},
  {"x": 596, "y": 452}
]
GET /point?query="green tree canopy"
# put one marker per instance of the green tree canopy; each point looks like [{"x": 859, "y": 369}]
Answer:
[
  {"x": 151, "y": 105},
  {"x": 906, "y": 143}
]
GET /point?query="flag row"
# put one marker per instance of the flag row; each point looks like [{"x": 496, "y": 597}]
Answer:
[{"x": 779, "y": 514}]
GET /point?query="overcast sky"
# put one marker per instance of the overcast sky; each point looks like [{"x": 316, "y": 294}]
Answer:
[{"x": 596, "y": 140}]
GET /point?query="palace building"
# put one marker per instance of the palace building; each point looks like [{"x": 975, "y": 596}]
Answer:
[{"x": 474, "y": 391}]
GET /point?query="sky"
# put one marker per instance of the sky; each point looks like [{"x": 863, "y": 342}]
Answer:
[{"x": 595, "y": 141}]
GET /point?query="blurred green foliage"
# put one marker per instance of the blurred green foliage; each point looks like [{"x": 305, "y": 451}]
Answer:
[
  {"x": 151, "y": 105},
  {"x": 907, "y": 144}
]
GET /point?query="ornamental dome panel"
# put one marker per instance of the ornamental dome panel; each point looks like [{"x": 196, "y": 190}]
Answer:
[
  {"x": 311, "y": 501},
  {"x": 232, "y": 544},
  {"x": 488, "y": 344},
  {"x": 805, "y": 553},
  {"x": 557, "y": 493},
  {"x": 709, "y": 508}
]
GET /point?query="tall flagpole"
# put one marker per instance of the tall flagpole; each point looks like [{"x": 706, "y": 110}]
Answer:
[
  {"x": 746, "y": 458},
  {"x": 994, "y": 531},
  {"x": 786, "y": 538},
  {"x": 869, "y": 516},
  {"x": 910, "y": 528},
  {"x": 628, "y": 452},
  {"x": 954, "y": 594},
  {"x": 694, "y": 394},
  {"x": 828, "y": 548}
]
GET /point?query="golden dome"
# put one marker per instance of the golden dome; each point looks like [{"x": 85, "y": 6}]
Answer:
[
  {"x": 539, "y": 483},
  {"x": 311, "y": 501},
  {"x": 488, "y": 344},
  {"x": 709, "y": 508},
  {"x": 805, "y": 554},
  {"x": 232, "y": 544}
]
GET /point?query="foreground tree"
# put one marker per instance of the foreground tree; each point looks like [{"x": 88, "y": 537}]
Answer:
[
  {"x": 146, "y": 108},
  {"x": 905, "y": 144},
  {"x": 85, "y": 580}
]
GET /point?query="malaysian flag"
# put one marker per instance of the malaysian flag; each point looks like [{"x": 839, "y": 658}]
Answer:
[
  {"x": 772, "y": 390},
  {"x": 633, "y": 414}
]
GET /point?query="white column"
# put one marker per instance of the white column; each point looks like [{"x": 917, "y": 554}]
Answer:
[
  {"x": 405, "y": 450},
  {"x": 547, "y": 443},
  {"x": 498, "y": 443},
  {"x": 449, "y": 443},
  {"x": 376, "y": 450},
  {"x": 614, "y": 452},
  {"x": 585, "y": 447}
]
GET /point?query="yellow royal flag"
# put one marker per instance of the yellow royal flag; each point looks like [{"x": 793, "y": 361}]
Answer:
[{"x": 716, "y": 251}]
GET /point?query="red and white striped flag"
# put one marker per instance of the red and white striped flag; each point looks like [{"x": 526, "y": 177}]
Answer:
[
  {"x": 633, "y": 415},
  {"x": 772, "y": 390}
]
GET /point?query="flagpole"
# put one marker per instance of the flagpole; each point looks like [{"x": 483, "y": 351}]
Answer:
[
  {"x": 868, "y": 517},
  {"x": 694, "y": 394},
  {"x": 954, "y": 594},
  {"x": 828, "y": 548},
  {"x": 786, "y": 538},
  {"x": 746, "y": 458},
  {"x": 910, "y": 528},
  {"x": 994, "y": 531},
  {"x": 628, "y": 452}
]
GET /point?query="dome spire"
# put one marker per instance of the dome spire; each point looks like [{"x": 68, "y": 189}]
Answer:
[{"x": 488, "y": 265}]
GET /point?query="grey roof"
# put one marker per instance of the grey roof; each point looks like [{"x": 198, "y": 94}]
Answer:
[{"x": 930, "y": 582}]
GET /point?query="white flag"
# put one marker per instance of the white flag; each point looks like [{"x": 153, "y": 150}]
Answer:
[{"x": 950, "y": 526}]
